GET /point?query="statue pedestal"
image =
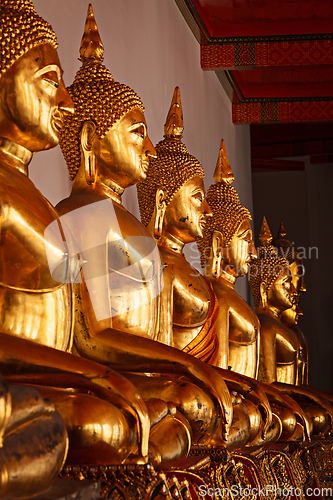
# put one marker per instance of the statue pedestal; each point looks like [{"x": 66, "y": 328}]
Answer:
[{"x": 65, "y": 489}]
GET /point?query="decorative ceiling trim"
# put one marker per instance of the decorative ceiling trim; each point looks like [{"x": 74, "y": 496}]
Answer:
[
  {"x": 256, "y": 55},
  {"x": 282, "y": 110},
  {"x": 194, "y": 22}
]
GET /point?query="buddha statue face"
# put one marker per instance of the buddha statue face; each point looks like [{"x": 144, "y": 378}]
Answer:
[
  {"x": 291, "y": 316},
  {"x": 123, "y": 153},
  {"x": 240, "y": 249},
  {"x": 280, "y": 293},
  {"x": 34, "y": 100},
  {"x": 186, "y": 214},
  {"x": 297, "y": 275}
]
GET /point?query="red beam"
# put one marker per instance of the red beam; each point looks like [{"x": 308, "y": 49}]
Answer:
[
  {"x": 216, "y": 56},
  {"x": 272, "y": 164},
  {"x": 321, "y": 159},
  {"x": 292, "y": 148},
  {"x": 282, "y": 111}
]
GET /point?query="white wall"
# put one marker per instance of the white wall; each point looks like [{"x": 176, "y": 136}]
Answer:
[{"x": 148, "y": 46}]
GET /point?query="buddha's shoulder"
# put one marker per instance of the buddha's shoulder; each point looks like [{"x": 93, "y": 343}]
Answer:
[
  {"x": 15, "y": 184},
  {"x": 174, "y": 260},
  {"x": 93, "y": 205},
  {"x": 271, "y": 323},
  {"x": 222, "y": 290}
]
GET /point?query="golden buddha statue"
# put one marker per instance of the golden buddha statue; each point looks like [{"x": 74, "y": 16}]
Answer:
[
  {"x": 289, "y": 317},
  {"x": 106, "y": 418},
  {"x": 273, "y": 292},
  {"x": 226, "y": 249},
  {"x": 107, "y": 149},
  {"x": 173, "y": 207},
  {"x": 225, "y": 252}
]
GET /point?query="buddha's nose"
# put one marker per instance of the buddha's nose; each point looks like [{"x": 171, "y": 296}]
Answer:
[
  {"x": 206, "y": 209},
  {"x": 149, "y": 148},
  {"x": 66, "y": 104},
  {"x": 252, "y": 250}
]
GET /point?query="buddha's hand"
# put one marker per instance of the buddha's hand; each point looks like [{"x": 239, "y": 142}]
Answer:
[
  {"x": 304, "y": 394},
  {"x": 122, "y": 387},
  {"x": 250, "y": 389},
  {"x": 211, "y": 381},
  {"x": 287, "y": 401}
]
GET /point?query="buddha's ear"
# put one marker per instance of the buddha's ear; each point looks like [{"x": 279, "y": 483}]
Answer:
[
  {"x": 263, "y": 294},
  {"x": 160, "y": 206},
  {"x": 217, "y": 242},
  {"x": 87, "y": 135}
]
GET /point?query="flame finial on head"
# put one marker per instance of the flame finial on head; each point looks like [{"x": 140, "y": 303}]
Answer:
[
  {"x": 223, "y": 172},
  {"x": 265, "y": 236},
  {"x": 173, "y": 127},
  {"x": 282, "y": 232},
  {"x": 283, "y": 244},
  {"x": 91, "y": 48}
]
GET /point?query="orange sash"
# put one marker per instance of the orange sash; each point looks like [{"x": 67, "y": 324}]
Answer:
[{"x": 205, "y": 345}]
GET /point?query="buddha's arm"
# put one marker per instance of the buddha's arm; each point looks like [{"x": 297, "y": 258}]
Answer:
[
  {"x": 307, "y": 393},
  {"x": 25, "y": 360},
  {"x": 222, "y": 331},
  {"x": 130, "y": 353},
  {"x": 165, "y": 320},
  {"x": 267, "y": 358}
]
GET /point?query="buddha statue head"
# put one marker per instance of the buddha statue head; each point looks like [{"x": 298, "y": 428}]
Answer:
[
  {"x": 285, "y": 249},
  {"x": 33, "y": 97},
  {"x": 105, "y": 141},
  {"x": 270, "y": 278},
  {"x": 172, "y": 198},
  {"x": 227, "y": 244}
]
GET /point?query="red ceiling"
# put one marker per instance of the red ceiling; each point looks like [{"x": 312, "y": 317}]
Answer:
[{"x": 240, "y": 18}]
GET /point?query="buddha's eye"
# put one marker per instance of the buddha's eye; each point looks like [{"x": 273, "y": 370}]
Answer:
[
  {"x": 246, "y": 236},
  {"x": 199, "y": 195},
  {"x": 139, "y": 130},
  {"x": 51, "y": 77},
  {"x": 300, "y": 271}
]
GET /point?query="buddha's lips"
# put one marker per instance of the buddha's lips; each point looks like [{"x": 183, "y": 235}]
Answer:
[
  {"x": 57, "y": 123},
  {"x": 145, "y": 165}
]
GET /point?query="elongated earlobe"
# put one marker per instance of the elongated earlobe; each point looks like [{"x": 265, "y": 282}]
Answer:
[
  {"x": 216, "y": 253},
  {"x": 87, "y": 134},
  {"x": 160, "y": 207},
  {"x": 263, "y": 294}
]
